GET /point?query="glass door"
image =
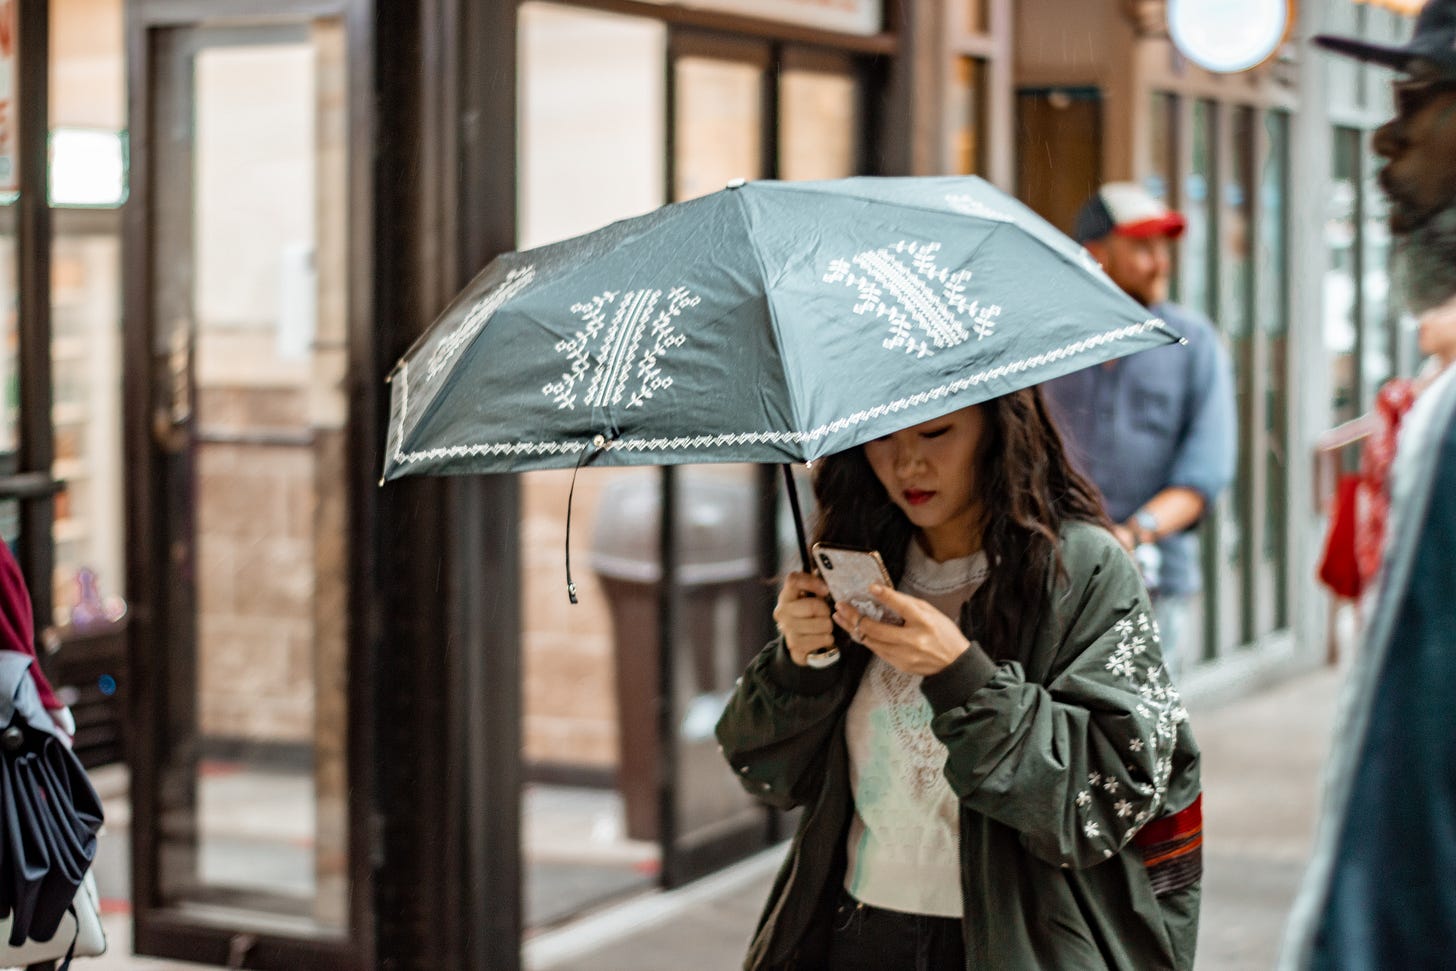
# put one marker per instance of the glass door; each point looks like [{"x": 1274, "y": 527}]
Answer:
[{"x": 243, "y": 846}]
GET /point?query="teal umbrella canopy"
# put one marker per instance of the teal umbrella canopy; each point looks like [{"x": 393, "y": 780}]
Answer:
[{"x": 769, "y": 322}]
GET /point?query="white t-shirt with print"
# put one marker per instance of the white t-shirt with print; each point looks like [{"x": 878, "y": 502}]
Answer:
[{"x": 904, "y": 840}]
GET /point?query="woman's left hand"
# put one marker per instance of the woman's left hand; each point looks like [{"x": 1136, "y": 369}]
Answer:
[{"x": 925, "y": 644}]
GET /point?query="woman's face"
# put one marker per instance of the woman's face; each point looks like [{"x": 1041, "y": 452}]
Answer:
[{"x": 929, "y": 472}]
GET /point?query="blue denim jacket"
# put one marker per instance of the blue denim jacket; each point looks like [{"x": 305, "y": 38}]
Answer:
[{"x": 1159, "y": 418}]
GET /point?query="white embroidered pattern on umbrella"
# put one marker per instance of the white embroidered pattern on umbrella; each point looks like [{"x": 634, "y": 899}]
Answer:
[
  {"x": 612, "y": 349},
  {"x": 710, "y": 442},
  {"x": 918, "y": 298},
  {"x": 515, "y": 281}
]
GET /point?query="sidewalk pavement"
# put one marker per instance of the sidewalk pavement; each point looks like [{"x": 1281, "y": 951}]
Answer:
[{"x": 1262, "y": 757}]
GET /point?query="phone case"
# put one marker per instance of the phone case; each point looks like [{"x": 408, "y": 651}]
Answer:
[{"x": 849, "y": 574}]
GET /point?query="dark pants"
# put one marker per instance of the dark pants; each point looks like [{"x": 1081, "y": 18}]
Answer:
[{"x": 870, "y": 939}]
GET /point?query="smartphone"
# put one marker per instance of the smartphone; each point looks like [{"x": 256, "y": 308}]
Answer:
[{"x": 849, "y": 575}]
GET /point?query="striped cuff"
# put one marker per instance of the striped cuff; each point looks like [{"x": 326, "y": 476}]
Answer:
[{"x": 1172, "y": 849}]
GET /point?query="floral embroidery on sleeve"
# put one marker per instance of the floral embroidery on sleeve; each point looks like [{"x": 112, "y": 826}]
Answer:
[{"x": 1159, "y": 713}]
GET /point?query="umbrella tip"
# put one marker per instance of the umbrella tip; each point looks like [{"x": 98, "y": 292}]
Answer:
[
  {"x": 1183, "y": 341},
  {"x": 381, "y": 481},
  {"x": 737, "y": 183}
]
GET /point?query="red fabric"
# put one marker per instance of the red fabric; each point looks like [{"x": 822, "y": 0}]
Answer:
[
  {"x": 1339, "y": 569},
  {"x": 1372, "y": 498},
  {"x": 1185, "y": 822},
  {"x": 17, "y": 623},
  {"x": 1356, "y": 540},
  {"x": 1170, "y": 225}
]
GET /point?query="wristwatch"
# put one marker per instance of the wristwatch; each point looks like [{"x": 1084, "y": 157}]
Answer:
[
  {"x": 825, "y": 657},
  {"x": 1147, "y": 526}
]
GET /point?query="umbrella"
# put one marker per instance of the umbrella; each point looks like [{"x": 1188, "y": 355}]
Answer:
[
  {"x": 51, "y": 813},
  {"x": 768, "y": 322}
]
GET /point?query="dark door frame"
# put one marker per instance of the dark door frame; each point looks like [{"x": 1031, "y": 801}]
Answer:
[
  {"x": 159, "y": 929},
  {"x": 31, "y": 483}
]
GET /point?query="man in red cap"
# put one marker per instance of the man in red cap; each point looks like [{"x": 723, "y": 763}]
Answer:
[
  {"x": 1155, "y": 431},
  {"x": 1380, "y": 891}
]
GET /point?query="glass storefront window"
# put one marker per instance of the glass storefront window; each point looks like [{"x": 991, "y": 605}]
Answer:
[
  {"x": 1235, "y": 311},
  {"x": 1273, "y": 307},
  {"x": 1199, "y": 263},
  {"x": 1160, "y": 176},
  {"x": 719, "y": 123},
  {"x": 10, "y": 392},
  {"x": 86, "y": 415},
  {"x": 88, "y": 169},
  {"x": 588, "y": 809},
  {"x": 1162, "y": 162},
  {"x": 818, "y": 116},
  {"x": 976, "y": 19},
  {"x": 965, "y": 116},
  {"x": 1341, "y": 277},
  {"x": 9, "y": 367},
  {"x": 587, "y": 78},
  {"x": 1378, "y": 325}
]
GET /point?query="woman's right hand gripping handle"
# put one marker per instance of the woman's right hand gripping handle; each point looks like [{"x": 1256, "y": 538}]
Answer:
[{"x": 803, "y": 616}]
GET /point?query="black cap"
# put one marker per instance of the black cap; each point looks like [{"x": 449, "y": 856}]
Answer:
[{"x": 1433, "y": 42}]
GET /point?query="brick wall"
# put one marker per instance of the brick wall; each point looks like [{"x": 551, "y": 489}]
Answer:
[
  {"x": 255, "y": 557},
  {"x": 569, "y": 681}
]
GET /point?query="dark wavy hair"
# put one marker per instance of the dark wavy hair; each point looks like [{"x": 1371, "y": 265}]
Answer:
[{"x": 1028, "y": 489}]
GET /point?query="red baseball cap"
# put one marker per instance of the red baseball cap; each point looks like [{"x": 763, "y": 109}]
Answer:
[{"x": 1127, "y": 209}]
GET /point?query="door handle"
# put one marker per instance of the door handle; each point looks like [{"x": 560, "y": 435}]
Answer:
[
  {"x": 171, "y": 419},
  {"x": 169, "y": 436},
  {"x": 29, "y": 485}
]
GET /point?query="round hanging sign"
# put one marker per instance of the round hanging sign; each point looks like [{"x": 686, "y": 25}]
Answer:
[{"x": 1228, "y": 36}]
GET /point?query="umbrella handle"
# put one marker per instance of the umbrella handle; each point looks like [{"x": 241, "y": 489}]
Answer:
[{"x": 798, "y": 518}]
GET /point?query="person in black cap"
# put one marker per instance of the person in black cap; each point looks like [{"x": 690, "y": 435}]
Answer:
[
  {"x": 1379, "y": 892},
  {"x": 1155, "y": 431},
  {"x": 1420, "y": 146}
]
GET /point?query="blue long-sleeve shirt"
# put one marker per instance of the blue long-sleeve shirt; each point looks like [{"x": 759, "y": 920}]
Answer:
[{"x": 1159, "y": 418}]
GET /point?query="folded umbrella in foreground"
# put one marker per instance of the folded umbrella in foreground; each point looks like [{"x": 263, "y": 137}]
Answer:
[{"x": 51, "y": 813}]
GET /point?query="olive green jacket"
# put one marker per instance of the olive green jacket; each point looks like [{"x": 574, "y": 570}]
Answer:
[{"x": 1060, "y": 751}]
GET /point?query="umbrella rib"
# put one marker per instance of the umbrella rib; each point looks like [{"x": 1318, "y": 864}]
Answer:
[{"x": 773, "y": 317}]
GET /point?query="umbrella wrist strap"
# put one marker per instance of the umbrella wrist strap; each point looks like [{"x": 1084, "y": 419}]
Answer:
[
  {"x": 587, "y": 454},
  {"x": 71, "y": 951}
]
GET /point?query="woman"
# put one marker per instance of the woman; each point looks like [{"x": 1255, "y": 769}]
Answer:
[{"x": 1013, "y": 789}]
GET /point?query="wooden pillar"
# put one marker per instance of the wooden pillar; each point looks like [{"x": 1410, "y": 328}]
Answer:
[{"x": 446, "y": 618}]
